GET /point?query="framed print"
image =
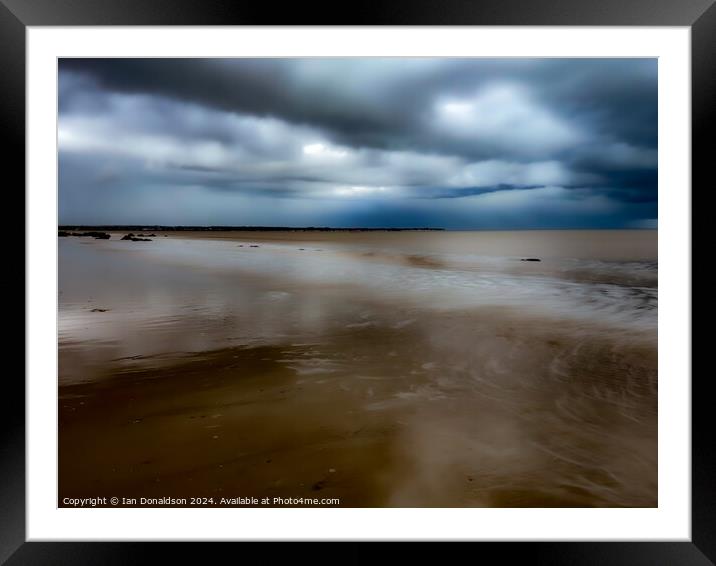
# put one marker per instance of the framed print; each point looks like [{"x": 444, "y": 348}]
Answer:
[{"x": 392, "y": 275}]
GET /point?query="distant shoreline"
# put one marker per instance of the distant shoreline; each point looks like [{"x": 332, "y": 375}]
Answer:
[
  {"x": 160, "y": 228},
  {"x": 155, "y": 228}
]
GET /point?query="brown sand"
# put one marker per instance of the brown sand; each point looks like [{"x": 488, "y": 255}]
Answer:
[
  {"x": 239, "y": 422},
  {"x": 344, "y": 396}
]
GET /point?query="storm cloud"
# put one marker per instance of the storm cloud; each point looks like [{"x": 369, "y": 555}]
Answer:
[{"x": 455, "y": 143}]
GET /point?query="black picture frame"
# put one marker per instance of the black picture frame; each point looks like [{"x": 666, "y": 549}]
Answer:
[{"x": 17, "y": 15}]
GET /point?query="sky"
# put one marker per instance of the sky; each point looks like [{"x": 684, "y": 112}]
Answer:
[{"x": 363, "y": 142}]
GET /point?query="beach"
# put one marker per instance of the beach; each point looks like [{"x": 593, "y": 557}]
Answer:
[{"x": 366, "y": 369}]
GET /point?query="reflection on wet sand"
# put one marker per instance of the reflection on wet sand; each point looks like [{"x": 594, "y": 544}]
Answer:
[{"x": 209, "y": 375}]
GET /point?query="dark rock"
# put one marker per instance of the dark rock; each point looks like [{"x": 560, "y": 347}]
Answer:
[
  {"x": 133, "y": 238},
  {"x": 253, "y": 246},
  {"x": 318, "y": 485},
  {"x": 96, "y": 235},
  {"x": 99, "y": 310},
  {"x": 152, "y": 236},
  {"x": 530, "y": 259}
]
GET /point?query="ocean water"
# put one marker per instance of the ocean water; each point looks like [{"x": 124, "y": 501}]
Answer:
[
  {"x": 487, "y": 379},
  {"x": 605, "y": 278}
]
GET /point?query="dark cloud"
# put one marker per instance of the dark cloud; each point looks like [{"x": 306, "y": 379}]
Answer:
[{"x": 357, "y": 136}]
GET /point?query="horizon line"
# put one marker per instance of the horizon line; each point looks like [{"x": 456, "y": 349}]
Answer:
[{"x": 223, "y": 227}]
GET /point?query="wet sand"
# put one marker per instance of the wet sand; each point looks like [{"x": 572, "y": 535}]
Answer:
[{"x": 193, "y": 369}]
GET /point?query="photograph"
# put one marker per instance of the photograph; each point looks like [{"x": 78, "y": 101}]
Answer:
[{"x": 360, "y": 282}]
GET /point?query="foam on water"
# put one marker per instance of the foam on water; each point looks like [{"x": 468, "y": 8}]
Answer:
[{"x": 608, "y": 292}]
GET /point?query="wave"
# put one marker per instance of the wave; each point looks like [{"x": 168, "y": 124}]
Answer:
[{"x": 606, "y": 292}]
